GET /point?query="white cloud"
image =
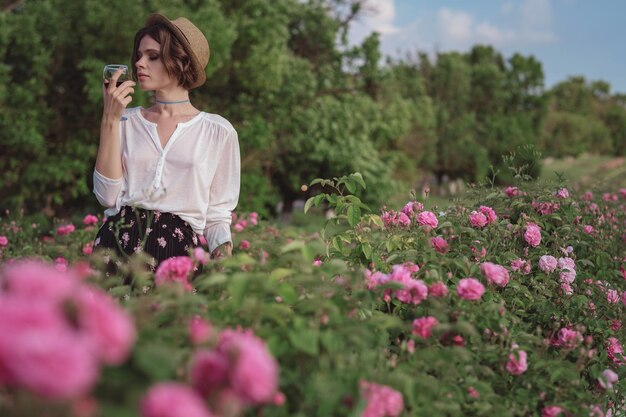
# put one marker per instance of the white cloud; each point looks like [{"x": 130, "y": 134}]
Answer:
[
  {"x": 379, "y": 16},
  {"x": 532, "y": 20},
  {"x": 522, "y": 23}
]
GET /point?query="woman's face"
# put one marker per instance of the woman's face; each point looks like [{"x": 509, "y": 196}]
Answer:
[{"x": 149, "y": 68}]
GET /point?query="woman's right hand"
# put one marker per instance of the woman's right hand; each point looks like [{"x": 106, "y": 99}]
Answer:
[{"x": 116, "y": 98}]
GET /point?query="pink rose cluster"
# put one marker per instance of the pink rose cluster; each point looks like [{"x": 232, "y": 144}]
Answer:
[
  {"x": 240, "y": 224},
  {"x": 482, "y": 217},
  {"x": 567, "y": 338},
  {"x": 521, "y": 265},
  {"x": 65, "y": 229},
  {"x": 90, "y": 220},
  {"x": 52, "y": 352},
  {"x": 615, "y": 351},
  {"x": 382, "y": 401},
  {"x": 239, "y": 371},
  {"x": 532, "y": 235},
  {"x": 423, "y": 326},
  {"x": 412, "y": 207},
  {"x": 413, "y": 291},
  {"x": 393, "y": 218},
  {"x": 495, "y": 274},
  {"x": 545, "y": 208},
  {"x": 4, "y": 241},
  {"x": 415, "y": 210},
  {"x": 175, "y": 270},
  {"x": 239, "y": 368}
]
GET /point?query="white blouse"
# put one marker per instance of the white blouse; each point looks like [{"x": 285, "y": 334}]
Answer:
[{"x": 196, "y": 176}]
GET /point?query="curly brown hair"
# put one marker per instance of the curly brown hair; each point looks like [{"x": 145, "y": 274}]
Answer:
[{"x": 173, "y": 55}]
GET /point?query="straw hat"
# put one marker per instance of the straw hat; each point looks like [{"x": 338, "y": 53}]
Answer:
[{"x": 191, "y": 38}]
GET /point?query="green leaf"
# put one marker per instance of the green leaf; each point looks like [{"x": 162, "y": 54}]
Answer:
[
  {"x": 237, "y": 288},
  {"x": 359, "y": 178},
  {"x": 367, "y": 250},
  {"x": 308, "y": 204},
  {"x": 156, "y": 361},
  {"x": 305, "y": 340},
  {"x": 288, "y": 293},
  {"x": 350, "y": 186},
  {"x": 280, "y": 273},
  {"x": 354, "y": 215},
  {"x": 290, "y": 247}
]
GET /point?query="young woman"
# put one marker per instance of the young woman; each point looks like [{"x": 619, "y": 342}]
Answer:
[{"x": 167, "y": 173}]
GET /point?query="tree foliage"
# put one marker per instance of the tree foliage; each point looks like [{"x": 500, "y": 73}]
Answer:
[{"x": 305, "y": 103}]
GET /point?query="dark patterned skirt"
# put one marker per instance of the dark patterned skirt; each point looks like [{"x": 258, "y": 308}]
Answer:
[{"x": 134, "y": 230}]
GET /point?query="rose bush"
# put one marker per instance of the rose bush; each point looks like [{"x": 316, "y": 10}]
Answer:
[{"x": 497, "y": 308}]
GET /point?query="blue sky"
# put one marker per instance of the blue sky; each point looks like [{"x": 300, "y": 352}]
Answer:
[{"x": 569, "y": 37}]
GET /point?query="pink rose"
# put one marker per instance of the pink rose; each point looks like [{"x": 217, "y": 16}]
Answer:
[
  {"x": 562, "y": 193},
  {"x": 470, "y": 289},
  {"x": 199, "y": 330},
  {"x": 381, "y": 400},
  {"x": 427, "y": 218},
  {"x": 588, "y": 229},
  {"x": 568, "y": 339},
  {"x": 107, "y": 326},
  {"x": 90, "y": 220},
  {"x": 253, "y": 371},
  {"x": 517, "y": 365},
  {"x": 200, "y": 255},
  {"x": 170, "y": 399},
  {"x": 472, "y": 392},
  {"x": 489, "y": 213},
  {"x": 88, "y": 249},
  {"x": 532, "y": 235},
  {"x": 521, "y": 265},
  {"x": 615, "y": 351},
  {"x": 438, "y": 289},
  {"x": 414, "y": 291},
  {"x": 612, "y": 296},
  {"x": 495, "y": 274},
  {"x": 209, "y": 371},
  {"x": 567, "y": 276},
  {"x": 478, "y": 219},
  {"x": 587, "y": 196},
  {"x": 175, "y": 269},
  {"x": 4, "y": 241},
  {"x": 567, "y": 263},
  {"x": 412, "y": 207},
  {"x": 547, "y": 263},
  {"x": 608, "y": 379},
  {"x": 511, "y": 191},
  {"x": 244, "y": 245},
  {"x": 65, "y": 229},
  {"x": 43, "y": 354},
  {"x": 440, "y": 244},
  {"x": 423, "y": 326},
  {"x": 551, "y": 411}
]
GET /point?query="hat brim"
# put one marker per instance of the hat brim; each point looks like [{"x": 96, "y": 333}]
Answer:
[{"x": 198, "y": 69}]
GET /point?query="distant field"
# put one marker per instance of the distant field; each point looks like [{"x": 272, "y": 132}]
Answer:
[{"x": 587, "y": 171}]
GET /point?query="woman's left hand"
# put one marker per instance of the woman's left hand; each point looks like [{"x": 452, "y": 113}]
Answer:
[{"x": 224, "y": 250}]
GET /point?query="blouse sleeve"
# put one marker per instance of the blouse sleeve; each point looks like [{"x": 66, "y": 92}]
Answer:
[
  {"x": 224, "y": 193},
  {"x": 106, "y": 189}
]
